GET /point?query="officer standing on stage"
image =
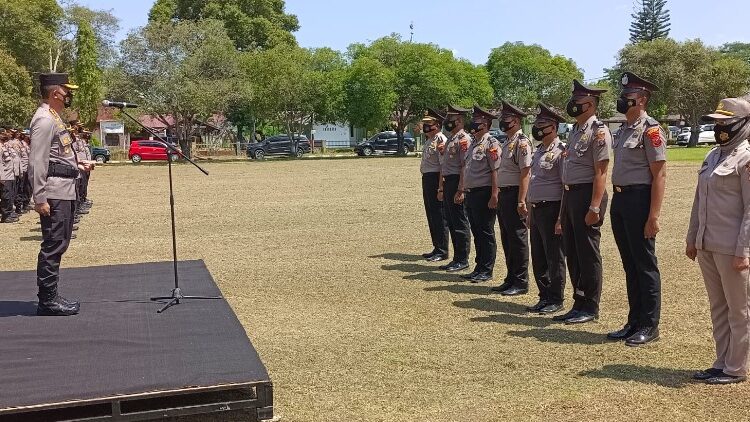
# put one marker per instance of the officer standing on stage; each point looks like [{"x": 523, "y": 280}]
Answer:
[
  {"x": 513, "y": 183},
  {"x": 585, "y": 202},
  {"x": 479, "y": 184},
  {"x": 454, "y": 158},
  {"x": 545, "y": 196},
  {"x": 53, "y": 170},
  {"x": 639, "y": 176},
  {"x": 719, "y": 237},
  {"x": 7, "y": 179},
  {"x": 432, "y": 126}
]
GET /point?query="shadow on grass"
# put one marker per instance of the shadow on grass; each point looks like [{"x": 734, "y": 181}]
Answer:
[
  {"x": 462, "y": 289},
  {"x": 409, "y": 268},
  {"x": 492, "y": 305},
  {"x": 434, "y": 276},
  {"x": 399, "y": 257},
  {"x": 36, "y": 230},
  {"x": 511, "y": 319},
  {"x": 11, "y": 308},
  {"x": 665, "y": 377},
  {"x": 557, "y": 335},
  {"x": 31, "y": 238}
]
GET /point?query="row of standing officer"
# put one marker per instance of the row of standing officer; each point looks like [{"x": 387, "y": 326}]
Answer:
[
  {"x": 14, "y": 163},
  {"x": 556, "y": 195}
]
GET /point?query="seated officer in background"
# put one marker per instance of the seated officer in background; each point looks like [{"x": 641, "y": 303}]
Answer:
[
  {"x": 480, "y": 183},
  {"x": 639, "y": 176},
  {"x": 545, "y": 196}
]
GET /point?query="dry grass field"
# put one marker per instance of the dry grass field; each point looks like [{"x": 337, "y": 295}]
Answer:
[{"x": 319, "y": 259}]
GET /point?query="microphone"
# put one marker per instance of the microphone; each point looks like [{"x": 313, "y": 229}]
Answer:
[{"x": 118, "y": 104}]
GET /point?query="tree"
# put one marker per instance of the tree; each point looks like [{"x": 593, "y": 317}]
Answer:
[
  {"x": 16, "y": 99},
  {"x": 692, "y": 78},
  {"x": 28, "y": 31},
  {"x": 528, "y": 74},
  {"x": 104, "y": 25},
  {"x": 650, "y": 21},
  {"x": 421, "y": 76},
  {"x": 185, "y": 71},
  {"x": 737, "y": 49},
  {"x": 368, "y": 94},
  {"x": 251, "y": 24},
  {"x": 87, "y": 75}
]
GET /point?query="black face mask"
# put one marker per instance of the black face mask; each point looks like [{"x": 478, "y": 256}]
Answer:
[
  {"x": 476, "y": 126},
  {"x": 539, "y": 133},
  {"x": 574, "y": 109},
  {"x": 506, "y": 126},
  {"x": 426, "y": 128},
  {"x": 449, "y": 125},
  {"x": 727, "y": 133},
  {"x": 68, "y": 100},
  {"x": 625, "y": 104}
]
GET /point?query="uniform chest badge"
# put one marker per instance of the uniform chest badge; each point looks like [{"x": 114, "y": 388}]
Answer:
[
  {"x": 585, "y": 137},
  {"x": 479, "y": 153},
  {"x": 549, "y": 157},
  {"x": 67, "y": 150}
]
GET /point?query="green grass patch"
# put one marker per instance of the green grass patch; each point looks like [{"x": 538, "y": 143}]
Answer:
[{"x": 687, "y": 154}]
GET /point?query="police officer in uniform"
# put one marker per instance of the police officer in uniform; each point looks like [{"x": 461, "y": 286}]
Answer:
[
  {"x": 22, "y": 198},
  {"x": 479, "y": 184},
  {"x": 512, "y": 212},
  {"x": 454, "y": 158},
  {"x": 544, "y": 197},
  {"x": 26, "y": 178},
  {"x": 53, "y": 170},
  {"x": 584, "y": 203},
  {"x": 7, "y": 179},
  {"x": 85, "y": 139},
  {"x": 719, "y": 236},
  {"x": 14, "y": 145},
  {"x": 639, "y": 176},
  {"x": 432, "y": 126}
]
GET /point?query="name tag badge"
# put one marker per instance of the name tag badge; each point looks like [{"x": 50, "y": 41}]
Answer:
[{"x": 65, "y": 139}]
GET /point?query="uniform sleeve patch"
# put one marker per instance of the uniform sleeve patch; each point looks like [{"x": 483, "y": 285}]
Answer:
[
  {"x": 654, "y": 134},
  {"x": 493, "y": 153},
  {"x": 601, "y": 137},
  {"x": 464, "y": 144}
]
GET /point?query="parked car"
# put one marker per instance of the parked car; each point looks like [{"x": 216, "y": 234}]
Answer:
[
  {"x": 101, "y": 155},
  {"x": 499, "y": 135},
  {"x": 278, "y": 145},
  {"x": 705, "y": 137},
  {"x": 385, "y": 142},
  {"x": 673, "y": 131},
  {"x": 149, "y": 150}
]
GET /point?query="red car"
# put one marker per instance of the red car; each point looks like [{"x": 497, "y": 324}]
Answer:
[{"x": 148, "y": 150}]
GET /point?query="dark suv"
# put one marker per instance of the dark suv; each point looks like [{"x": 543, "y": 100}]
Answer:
[
  {"x": 385, "y": 142},
  {"x": 101, "y": 155},
  {"x": 278, "y": 145}
]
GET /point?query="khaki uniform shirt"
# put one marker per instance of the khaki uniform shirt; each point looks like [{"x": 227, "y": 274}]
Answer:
[
  {"x": 25, "y": 151},
  {"x": 431, "y": 154},
  {"x": 587, "y": 145},
  {"x": 483, "y": 158},
  {"x": 455, "y": 153},
  {"x": 6, "y": 163},
  {"x": 720, "y": 219},
  {"x": 515, "y": 156},
  {"x": 635, "y": 147},
  {"x": 546, "y": 173},
  {"x": 15, "y": 154},
  {"x": 50, "y": 142}
]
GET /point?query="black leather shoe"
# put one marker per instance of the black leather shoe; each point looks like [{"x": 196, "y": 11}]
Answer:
[
  {"x": 457, "y": 266},
  {"x": 562, "y": 317},
  {"x": 428, "y": 255},
  {"x": 75, "y": 227},
  {"x": 437, "y": 258},
  {"x": 536, "y": 308},
  {"x": 724, "y": 379},
  {"x": 9, "y": 220},
  {"x": 58, "y": 307},
  {"x": 470, "y": 275},
  {"x": 643, "y": 336},
  {"x": 515, "y": 291},
  {"x": 551, "y": 308},
  {"x": 706, "y": 374},
  {"x": 445, "y": 266},
  {"x": 82, "y": 211},
  {"x": 481, "y": 278},
  {"x": 503, "y": 287},
  {"x": 581, "y": 318},
  {"x": 623, "y": 333}
]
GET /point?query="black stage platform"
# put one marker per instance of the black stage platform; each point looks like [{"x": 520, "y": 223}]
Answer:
[{"x": 120, "y": 360}]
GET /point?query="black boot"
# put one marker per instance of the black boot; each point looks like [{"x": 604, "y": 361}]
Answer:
[{"x": 58, "y": 306}]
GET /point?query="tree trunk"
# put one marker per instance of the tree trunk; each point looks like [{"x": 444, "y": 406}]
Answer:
[
  {"x": 290, "y": 134},
  {"x": 400, "y": 138},
  {"x": 694, "y": 131}
]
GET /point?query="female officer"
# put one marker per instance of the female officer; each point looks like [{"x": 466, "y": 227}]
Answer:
[{"x": 719, "y": 235}]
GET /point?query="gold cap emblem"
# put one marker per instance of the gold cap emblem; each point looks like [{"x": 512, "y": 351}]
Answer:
[{"x": 625, "y": 79}]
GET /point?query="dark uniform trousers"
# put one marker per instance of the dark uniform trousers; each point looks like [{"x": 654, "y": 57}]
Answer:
[
  {"x": 581, "y": 244},
  {"x": 7, "y": 198},
  {"x": 85, "y": 185},
  {"x": 23, "y": 195},
  {"x": 630, "y": 210},
  {"x": 434, "y": 209},
  {"x": 514, "y": 236},
  {"x": 482, "y": 221},
  {"x": 547, "y": 255},
  {"x": 57, "y": 229},
  {"x": 458, "y": 222}
]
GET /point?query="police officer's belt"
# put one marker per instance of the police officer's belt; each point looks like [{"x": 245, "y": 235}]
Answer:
[
  {"x": 542, "y": 204},
  {"x": 62, "y": 170},
  {"x": 508, "y": 188},
  {"x": 579, "y": 186},
  {"x": 479, "y": 189},
  {"x": 631, "y": 188}
]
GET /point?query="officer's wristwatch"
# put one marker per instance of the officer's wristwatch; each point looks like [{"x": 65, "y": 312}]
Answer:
[{"x": 595, "y": 210}]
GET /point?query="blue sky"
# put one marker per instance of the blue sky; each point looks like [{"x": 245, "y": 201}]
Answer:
[{"x": 588, "y": 31}]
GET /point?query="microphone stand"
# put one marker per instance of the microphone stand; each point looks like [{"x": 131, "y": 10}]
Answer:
[{"x": 176, "y": 295}]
